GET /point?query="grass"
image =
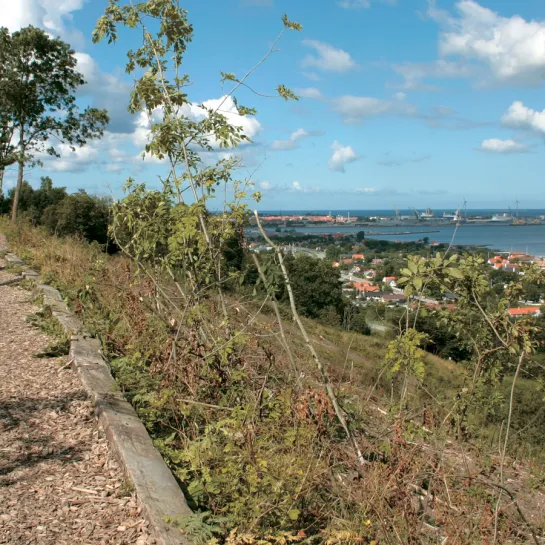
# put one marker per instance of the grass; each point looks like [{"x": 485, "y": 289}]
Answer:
[
  {"x": 48, "y": 324},
  {"x": 15, "y": 269}
]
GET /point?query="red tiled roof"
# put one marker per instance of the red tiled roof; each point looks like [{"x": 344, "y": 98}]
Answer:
[
  {"x": 371, "y": 288},
  {"x": 527, "y": 311}
]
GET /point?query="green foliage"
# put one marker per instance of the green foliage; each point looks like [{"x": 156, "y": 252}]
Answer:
[
  {"x": 49, "y": 325},
  {"x": 201, "y": 527},
  {"x": 405, "y": 357},
  {"x": 231, "y": 426},
  {"x": 355, "y": 319},
  {"x": 79, "y": 214},
  {"x": 38, "y": 83},
  {"x": 316, "y": 286}
]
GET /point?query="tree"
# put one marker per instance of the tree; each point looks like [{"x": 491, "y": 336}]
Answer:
[
  {"x": 7, "y": 150},
  {"x": 79, "y": 214},
  {"x": 38, "y": 82},
  {"x": 316, "y": 287},
  {"x": 333, "y": 253},
  {"x": 360, "y": 236},
  {"x": 33, "y": 202}
]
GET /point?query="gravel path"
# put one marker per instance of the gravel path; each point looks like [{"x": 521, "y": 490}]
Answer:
[{"x": 59, "y": 484}]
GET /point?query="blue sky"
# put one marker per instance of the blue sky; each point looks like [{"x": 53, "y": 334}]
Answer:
[{"x": 403, "y": 103}]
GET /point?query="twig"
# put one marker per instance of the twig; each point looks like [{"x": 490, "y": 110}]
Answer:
[
  {"x": 209, "y": 405},
  {"x": 515, "y": 503},
  {"x": 83, "y": 490},
  {"x": 280, "y": 324},
  {"x": 66, "y": 365},
  {"x": 506, "y": 440}
]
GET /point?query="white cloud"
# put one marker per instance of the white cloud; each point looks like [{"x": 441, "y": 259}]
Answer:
[
  {"x": 73, "y": 161},
  {"x": 297, "y": 187},
  {"x": 400, "y": 96},
  {"x": 107, "y": 91},
  {"x": 495, "y": 145},
  {"x": 292, "y": 141},
  {"x": 414, "y": 73},
  {"x": 312, "y": 76},
  {"x": 309, "y": 92},
  {"x": 342, "y": 155},
  {"x": 107, "y": 153},
  {"x": 54, "y": 16},
  {"x": 250, "y": 126},
  {"x": 366, "y": 190},
  {"x": 354, "y": 108},
  {"x": 512, "y": 47},
  {"x": 362, "y": 4},
  {"x": 354, "y": 4},
  {"x": 328, "y": 58},
  {"x": 521, "y": 117},
  {"x": 266, "y": 3}
]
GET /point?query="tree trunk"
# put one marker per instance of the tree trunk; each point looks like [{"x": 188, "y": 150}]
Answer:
[
  {"x": 2, "y": 170},
  {"x": 19, "y": 176}
]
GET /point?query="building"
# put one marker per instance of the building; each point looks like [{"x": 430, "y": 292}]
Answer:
[
  {"x": 524, "y": 312},
  {"x": 390, "y": 281},
  {"x": 363, "y": 287},
  {"x": 512, "y": 263},
  {"x": 393, "y": 298}
]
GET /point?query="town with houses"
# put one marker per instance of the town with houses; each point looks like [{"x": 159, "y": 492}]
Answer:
[{"x": 362, "y": 285}]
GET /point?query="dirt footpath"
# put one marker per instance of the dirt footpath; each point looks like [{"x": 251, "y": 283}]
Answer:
[{"x": 59, "y": 484}]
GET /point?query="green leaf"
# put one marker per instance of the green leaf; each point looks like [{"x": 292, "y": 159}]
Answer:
[
  {"x": 293, "y": 514},
  {"x": 455, "y": 273},
  {"x": 292, "y": 25}
]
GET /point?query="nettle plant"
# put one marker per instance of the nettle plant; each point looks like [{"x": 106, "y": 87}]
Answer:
[{"x": 171, "y": 231}]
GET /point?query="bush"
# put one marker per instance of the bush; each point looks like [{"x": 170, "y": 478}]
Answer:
[{"x": 79, "y": 214}]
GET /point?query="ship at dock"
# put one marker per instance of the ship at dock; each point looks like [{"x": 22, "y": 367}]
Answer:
[
  {"x": 455, "y": 217},
  {"x": 504, "y": 218}
]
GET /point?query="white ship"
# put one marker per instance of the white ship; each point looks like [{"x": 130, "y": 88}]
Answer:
[
  {"x": 456, "y": 217},
  {"x": 427, "y": 215},
  {"x": 502, "y": 218}
]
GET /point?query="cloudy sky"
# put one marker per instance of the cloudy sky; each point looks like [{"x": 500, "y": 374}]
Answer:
[{"x": 403, "y": 102}]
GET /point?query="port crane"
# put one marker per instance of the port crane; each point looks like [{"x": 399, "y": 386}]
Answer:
[{"x": 416, "y": 213}]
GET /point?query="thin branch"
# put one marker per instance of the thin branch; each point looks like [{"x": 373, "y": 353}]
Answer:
[
  {"x": 506, "y": 440},
  {"x": 329, "y": 389},
  {"x": 284, "y": 343}
]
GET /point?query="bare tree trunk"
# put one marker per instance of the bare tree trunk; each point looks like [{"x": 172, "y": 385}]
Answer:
[
  {"x": 19, "y": 176},
  {"x": 2, "y": 171}
]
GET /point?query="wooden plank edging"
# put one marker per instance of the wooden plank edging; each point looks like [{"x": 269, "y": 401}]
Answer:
[{"x": 156, "y": 488}]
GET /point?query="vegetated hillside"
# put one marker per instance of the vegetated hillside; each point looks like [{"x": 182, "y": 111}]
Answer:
[{"x": 257, "y": 444}]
